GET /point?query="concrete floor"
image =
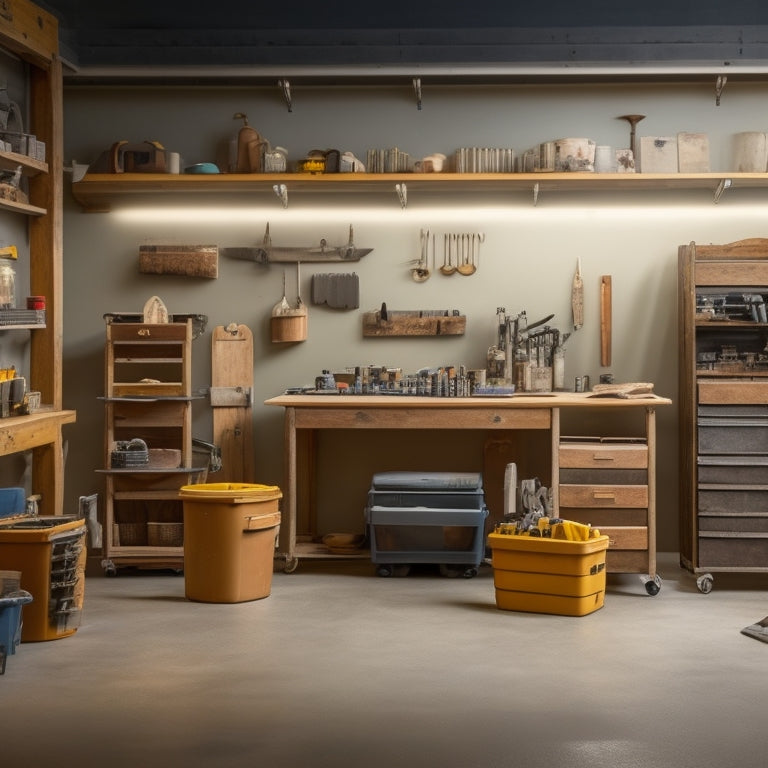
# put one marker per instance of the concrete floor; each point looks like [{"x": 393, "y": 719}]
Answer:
[{"x": 338, "y": 667}]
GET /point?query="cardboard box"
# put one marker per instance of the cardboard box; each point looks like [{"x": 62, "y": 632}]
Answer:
[{"x": 657, "y": 154}]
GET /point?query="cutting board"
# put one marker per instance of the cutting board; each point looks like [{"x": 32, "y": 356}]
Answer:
[{"x": 231, "y": 401}]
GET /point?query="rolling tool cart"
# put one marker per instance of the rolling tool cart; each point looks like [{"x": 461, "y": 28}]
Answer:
[
  {"x": 50, "y": 553},
  {"x": 427, "y": 517}
]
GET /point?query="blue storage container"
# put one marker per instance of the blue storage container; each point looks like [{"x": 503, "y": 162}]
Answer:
[
  {"x": 427, "y": 517},
  {"x": 13, "y": 502},
  {"x": 10, "y": 623}
]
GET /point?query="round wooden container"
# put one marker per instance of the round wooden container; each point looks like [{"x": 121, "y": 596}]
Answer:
[{"x": 286, "y": 328}]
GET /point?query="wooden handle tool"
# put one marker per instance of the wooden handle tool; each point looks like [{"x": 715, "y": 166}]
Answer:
[{"x": 605, "y": 320}]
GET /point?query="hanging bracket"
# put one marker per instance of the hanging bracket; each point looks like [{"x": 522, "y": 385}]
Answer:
[
  {"x": 417, "y": 91},
  {"x": 402, "y": 194},
  {"x": 282, "y": 192},
  {"x": 721, "y": 187},
  {"x": 719, "y": 86},
  {"x": 285, "y": 85}
]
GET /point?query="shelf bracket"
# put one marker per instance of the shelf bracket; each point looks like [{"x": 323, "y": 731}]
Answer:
[
  {"x": 417, "y": 91},
  {"x": 402, "y": 194},
  {"x": 536, "y": 193},
  {"x": 719, "y": 86},
  {"x": 285, "y": 85},
  {"x": 721, "y": 187},
  {"x": 282, "y": 192}
]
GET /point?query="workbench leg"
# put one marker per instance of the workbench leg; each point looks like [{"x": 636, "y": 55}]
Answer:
[
  {"x": 650, "y": 435},
  {"x": 288, "y": 520}
]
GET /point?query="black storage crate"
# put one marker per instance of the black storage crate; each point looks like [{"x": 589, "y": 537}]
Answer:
[{"x": 427, "y": 517}]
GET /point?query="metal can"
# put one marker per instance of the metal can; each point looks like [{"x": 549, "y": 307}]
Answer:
[
  {"x": 578, "y": 385},
  {"x": 585, "y": 383}
]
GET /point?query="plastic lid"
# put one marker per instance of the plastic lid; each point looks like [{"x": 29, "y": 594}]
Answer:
[{"x": 239, "y": 491}]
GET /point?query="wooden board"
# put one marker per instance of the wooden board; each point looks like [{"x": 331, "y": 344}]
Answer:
[
  {"x": 188, "y": 260},
  {"x": 605, "y": 320},
  {"x": 413, "y": 325},
  {"x": 232, "y": 367}
]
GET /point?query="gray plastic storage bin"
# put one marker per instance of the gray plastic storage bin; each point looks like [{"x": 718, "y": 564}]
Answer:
[{"x": 427, "y": 517}]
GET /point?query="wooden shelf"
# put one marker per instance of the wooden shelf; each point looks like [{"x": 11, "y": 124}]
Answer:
[
  {"x": 23, "y": 433},
  {"x": 10, "y": 161},
  {"x": 29, "y": 210},
  {"x": 101, "y": 192}
]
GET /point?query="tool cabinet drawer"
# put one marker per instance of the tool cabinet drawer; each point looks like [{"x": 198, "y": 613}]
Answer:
[
  {"x": 727, "y": 501},
  {"x": 599, "y": 455},
  {"x": 732, "y": 470},
  {"x": 733, "y": 429},
  {"x": 732, "y": 392},
  {"x": 726, "y": 550},
  {"x": 603, "y": 496}
]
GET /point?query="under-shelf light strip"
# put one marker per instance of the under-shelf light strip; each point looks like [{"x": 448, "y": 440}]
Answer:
[{"x": 205, "y": 216}]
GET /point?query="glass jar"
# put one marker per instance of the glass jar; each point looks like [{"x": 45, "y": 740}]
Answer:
[{"x": 7, "y": 286}]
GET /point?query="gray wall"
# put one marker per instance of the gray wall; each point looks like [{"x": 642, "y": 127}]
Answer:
[{"x": 527, "y": 260}]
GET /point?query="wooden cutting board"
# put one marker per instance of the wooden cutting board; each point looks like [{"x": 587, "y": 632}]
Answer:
[{"x": 231, "y": 401}]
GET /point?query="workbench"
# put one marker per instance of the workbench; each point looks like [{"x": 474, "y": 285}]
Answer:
[{"x": 624, "y": 504}]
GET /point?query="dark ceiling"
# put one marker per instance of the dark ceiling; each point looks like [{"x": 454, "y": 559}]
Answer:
[{"x": 99, "y": 36}]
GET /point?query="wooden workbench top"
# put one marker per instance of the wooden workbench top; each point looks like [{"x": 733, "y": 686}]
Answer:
[{"x": 527, "y": 400}]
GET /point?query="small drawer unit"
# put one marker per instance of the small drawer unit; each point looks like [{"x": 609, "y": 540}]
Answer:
[
  {"x": 427, "y": 517},
  {"x": 605, "y": 483}
]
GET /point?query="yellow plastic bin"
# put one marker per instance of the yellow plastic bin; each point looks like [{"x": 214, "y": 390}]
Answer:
[
  {"x": 230, "y": 530},
  {"x": 543, "y": 575}
]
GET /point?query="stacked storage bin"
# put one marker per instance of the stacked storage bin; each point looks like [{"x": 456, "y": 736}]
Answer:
[
  {"x": 427, "y": 517},
  {"x": 50, "y": 554}
]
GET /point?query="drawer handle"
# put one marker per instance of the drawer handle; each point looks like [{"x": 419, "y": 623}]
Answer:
[
  {"x": 598, "y": 457},
  {"x": 599, "y": 495}
]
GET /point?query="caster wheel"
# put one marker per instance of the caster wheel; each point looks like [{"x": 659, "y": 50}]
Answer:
[
  {"x": 384, "y": 571},
  {"x": 109, "y": 568},
  {"x": 653, "y": 586},
  {"x": 704, "y": 583},
  {"x": 291, "y": 564},
  {"x": 470, "y": 573}
]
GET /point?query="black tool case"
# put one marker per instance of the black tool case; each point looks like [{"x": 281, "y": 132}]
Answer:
[{"x": 427, "y": 517}]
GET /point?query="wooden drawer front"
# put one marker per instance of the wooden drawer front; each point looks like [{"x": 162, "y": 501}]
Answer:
[
  {"x": 603, "y": 455},
  {"x": 734, "y": 392},
  {"x": 619, "y": 536},
  {"x": 603, "y": 476},
  {"x": 603, "y": 496},
  {"x": 119, "y": 332},
  {"x": 731, "y": 273},
  {"x": 137, "y": 415},
  {"x": 725, "y": 502},
  {"x": 733, "y": 552},
  {"x": 626, "y": 561},
  {"x": 606, "y": 518}
]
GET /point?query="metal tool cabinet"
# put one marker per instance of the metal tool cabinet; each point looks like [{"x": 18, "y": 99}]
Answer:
[{"x": 723, "y": 408}]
